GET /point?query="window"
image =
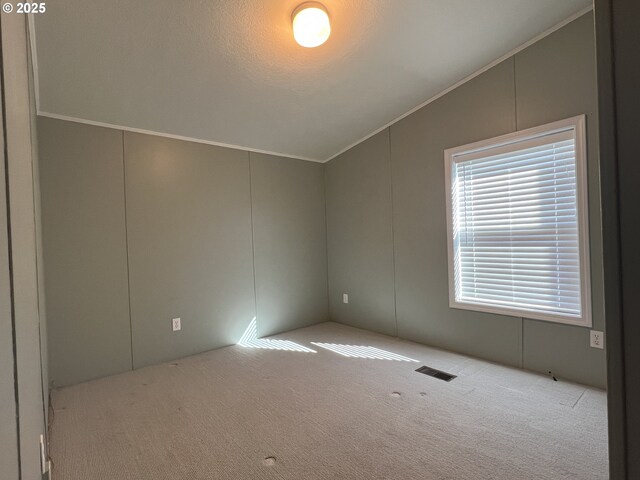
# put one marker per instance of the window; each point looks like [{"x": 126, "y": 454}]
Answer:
[{"x": 517, "y": 224}]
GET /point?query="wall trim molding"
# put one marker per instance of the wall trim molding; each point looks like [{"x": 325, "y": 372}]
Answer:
[
  {"x": 31, "y": 30},
  {"x": 468, "y": 78},
  {"x": 170, "y": 135}
]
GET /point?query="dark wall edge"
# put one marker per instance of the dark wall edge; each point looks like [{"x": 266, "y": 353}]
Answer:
[{"x": 617, "y": 38}]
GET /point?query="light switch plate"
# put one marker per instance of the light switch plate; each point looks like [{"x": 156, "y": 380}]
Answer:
[{"x": 345, "y": 298}]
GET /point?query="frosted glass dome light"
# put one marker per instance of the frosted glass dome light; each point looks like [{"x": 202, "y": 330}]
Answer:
[{"x": 311, "y": 26}]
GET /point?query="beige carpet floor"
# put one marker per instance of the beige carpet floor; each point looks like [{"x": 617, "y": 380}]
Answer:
[{"x": 256, "y": 413}]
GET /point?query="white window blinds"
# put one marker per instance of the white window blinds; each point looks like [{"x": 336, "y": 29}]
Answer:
[{"x": 515, "y": 227}]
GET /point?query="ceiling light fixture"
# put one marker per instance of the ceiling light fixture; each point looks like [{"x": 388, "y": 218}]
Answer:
[{"x": 311, "y": 26}]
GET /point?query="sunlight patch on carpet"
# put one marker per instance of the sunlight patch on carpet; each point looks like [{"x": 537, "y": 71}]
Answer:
[{"x": 250, "y": 339}]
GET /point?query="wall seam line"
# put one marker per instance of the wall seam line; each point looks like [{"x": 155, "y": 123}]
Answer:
[
  {"x": 253, "y": 242},
  {"x": 515, "y": 95},
  {"x": 126, "y": 242},
  {"x": 522, "y": 343},
  {"x": 393, "y": 234},
  {"x": 326, "y": 237}
]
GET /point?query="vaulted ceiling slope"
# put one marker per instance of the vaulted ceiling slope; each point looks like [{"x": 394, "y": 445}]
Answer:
[{"x": 229, "y": 71}]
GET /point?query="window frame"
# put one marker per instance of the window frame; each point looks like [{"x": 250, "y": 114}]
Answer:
[{"x": 451, "y": 155}]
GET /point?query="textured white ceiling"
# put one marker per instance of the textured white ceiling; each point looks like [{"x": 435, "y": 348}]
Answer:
[{"x": 230, "y": 72}]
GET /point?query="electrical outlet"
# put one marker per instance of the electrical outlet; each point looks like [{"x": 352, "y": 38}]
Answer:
[
  {"x": 597, "y": 339},
  {"x": 345, "y": 298},
  {"x": 176, "y": 324}
]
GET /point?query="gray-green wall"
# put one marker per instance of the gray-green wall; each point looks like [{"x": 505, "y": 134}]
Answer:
[
  {"x": 386, "y": 212},
  {"x": 140, "y": 229},
  {"x": 9, "y": 459},
  {"x": 290, "y": 243},
  {"x": 82, "y": 189}
]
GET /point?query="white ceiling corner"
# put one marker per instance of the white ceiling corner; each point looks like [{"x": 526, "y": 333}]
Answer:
[{"x": 230, "y": 73}]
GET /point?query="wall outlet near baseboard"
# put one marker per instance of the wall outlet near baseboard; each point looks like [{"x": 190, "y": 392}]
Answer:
[
  {"x": 345, "y": 298},
  {"x": 176, "y": 324},
  {"x": 597, "y": 339}
]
